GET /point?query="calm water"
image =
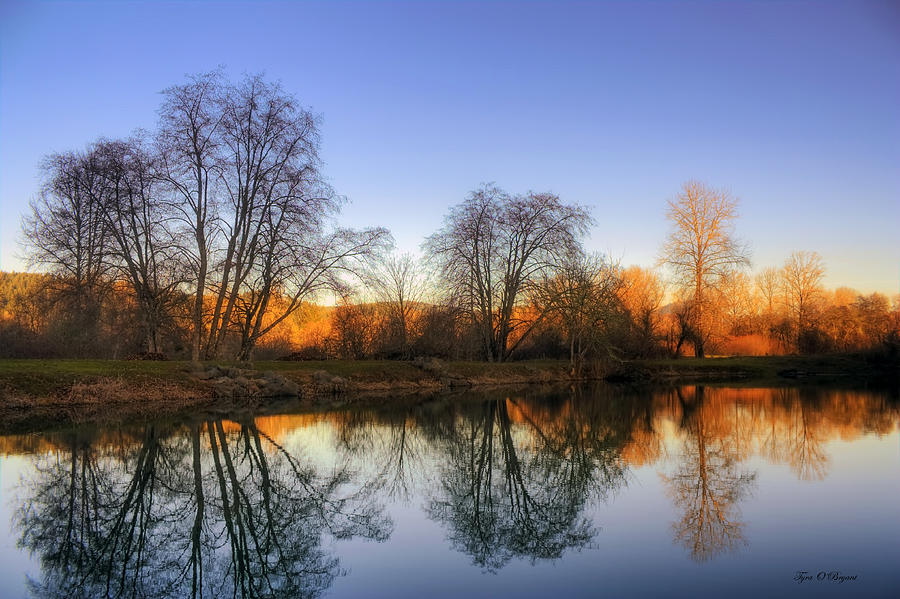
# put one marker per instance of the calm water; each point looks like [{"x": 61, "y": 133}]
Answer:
[{"x": 598, "y": 492}]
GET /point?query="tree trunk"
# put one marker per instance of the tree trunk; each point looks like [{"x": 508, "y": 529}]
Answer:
[{"x": 197, "y": 337}]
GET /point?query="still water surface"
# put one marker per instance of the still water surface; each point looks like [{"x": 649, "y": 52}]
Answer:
[{"x": 593, "y": 492}]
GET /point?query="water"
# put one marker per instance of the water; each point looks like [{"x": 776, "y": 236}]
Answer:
[{"x": 584, "y": 493}]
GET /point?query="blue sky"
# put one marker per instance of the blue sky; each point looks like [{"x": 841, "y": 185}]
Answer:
[{"x": 793, "y": 107}]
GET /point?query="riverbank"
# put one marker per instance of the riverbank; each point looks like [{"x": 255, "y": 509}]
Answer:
[{"x": 35, "y": 393}]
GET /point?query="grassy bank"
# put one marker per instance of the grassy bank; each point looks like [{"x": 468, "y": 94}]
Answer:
[
  {"x": 33, "y": 392},
  {"x": 849, "y": 369}
]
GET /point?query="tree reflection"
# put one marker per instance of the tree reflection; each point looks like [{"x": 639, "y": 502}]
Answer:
[
  {"x": 212, "y": 511},
  {"x": 708, "y": 484},
  {"x": 520, "y": 491},
  {"x": 222, "y": 508}
]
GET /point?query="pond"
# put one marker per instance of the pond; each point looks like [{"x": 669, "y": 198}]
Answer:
[{"x": 585, "y": 492}]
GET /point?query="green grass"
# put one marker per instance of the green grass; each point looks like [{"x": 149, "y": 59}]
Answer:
[
  {"x": 44, "y": 377},
  {"x": 39, "y": 377},
  {"x": 764, "y": 370}
]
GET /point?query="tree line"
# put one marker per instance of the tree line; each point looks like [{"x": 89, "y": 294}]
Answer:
[{"x": 215, "y": 236}]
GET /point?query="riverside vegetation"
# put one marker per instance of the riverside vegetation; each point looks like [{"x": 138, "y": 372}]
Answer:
[{"x": 35, "y": 393}]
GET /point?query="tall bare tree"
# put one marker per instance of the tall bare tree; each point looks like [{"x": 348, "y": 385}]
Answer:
[
  {"x": 189, "y": 142},
  {"x": 701, "y": 248},
  {"x": 281, "y": 245},
  {"x": 269, "y": 148},
  {"x": 494, "y": 245},
  {"x": 67, "y": 234},
  {"x": 142, "y": 249}
]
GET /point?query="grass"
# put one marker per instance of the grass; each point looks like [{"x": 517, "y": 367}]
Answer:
[
  {"x": 772, "y": 370},
  {"x": 45, "y": 377},
  {"x": 48, "y": 377}
]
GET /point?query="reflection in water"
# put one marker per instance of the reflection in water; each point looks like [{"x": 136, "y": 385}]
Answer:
[
  {"x": 241, "y": 508},
  {"x": 708, "y": 484},
  {"x": 206, "y": 512},
  {"x": 500, "y": 502}
]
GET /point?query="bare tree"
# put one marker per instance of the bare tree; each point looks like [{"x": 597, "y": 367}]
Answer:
[
  {"x": 768, "y": 282},
  {"x": 398, "y": 285},
  {"x": 269, "y": 175},
  {"x": 583, "y": 293},
  {"x": 801, "y": 280},
  {"x": 67, "y": 235},
  {"x": 142, "y": 249},
  {"x": 244, "y": 162},
  {"x": 701, "y": 248},
  {"x": 493, "y": 246},
  {"x": 189, "y": 141}
]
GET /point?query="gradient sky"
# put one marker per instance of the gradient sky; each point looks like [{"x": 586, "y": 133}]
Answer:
[{"x": 793, "y": 107}]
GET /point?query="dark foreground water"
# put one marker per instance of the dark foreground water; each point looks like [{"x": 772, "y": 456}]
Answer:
[{"x": 590, "y": 493}]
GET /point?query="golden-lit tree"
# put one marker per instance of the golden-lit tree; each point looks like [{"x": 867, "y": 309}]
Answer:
[
  {"x": 768, "y": 283},
  {"x": 701, "y": 249},
  {"x": 642, "y": 293},
  {"x": 801, "y": 280},
  {"x": 736, "y": 301}
]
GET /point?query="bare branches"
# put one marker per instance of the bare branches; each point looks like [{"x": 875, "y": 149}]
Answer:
[
  {"x": 189, "y": 142},
  {"x": 701, "y": 248},
  {"x": 801, "y": 280},
  {"x": 493, "y": 245}
]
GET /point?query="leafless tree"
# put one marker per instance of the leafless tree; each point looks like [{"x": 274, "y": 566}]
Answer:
[
  {"x": 142, "y": 250},
  {"x": 701, "y": 248},
  {"x": 67, "y": 234},
  {"x": 583, "y": 293},
  {"x": 768, "y": 283},
  {"x": 801, "y": 280},
  {"x": 243, "y": 160},
  {"x": 269, "y": 176},
  {"x": 494, "y": 245},
  {"x": 189, "y": 140},
  {"x": 398, "y": 285}
]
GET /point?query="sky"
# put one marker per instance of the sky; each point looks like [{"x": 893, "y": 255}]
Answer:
[{"x": 793, "y": 107}]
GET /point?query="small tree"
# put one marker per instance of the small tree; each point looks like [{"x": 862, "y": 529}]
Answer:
[
  {"x": 583, "y": 294},
  {"x": 398, "y": 286},
  {"x": 801, "y": 280}
]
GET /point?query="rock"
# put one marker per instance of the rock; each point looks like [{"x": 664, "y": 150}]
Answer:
[
  {"x": 236, "y": 382},
  {"x": 275, "y": 385},
  {"x": 431, "y": 366},
  {"x": 328, "y": 383}
]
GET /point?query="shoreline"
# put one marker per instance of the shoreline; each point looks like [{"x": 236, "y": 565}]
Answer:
[{"x": 37, "y": 394}]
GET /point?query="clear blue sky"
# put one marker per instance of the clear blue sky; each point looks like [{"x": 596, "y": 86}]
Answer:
[{"x": 794, "y": 107}]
